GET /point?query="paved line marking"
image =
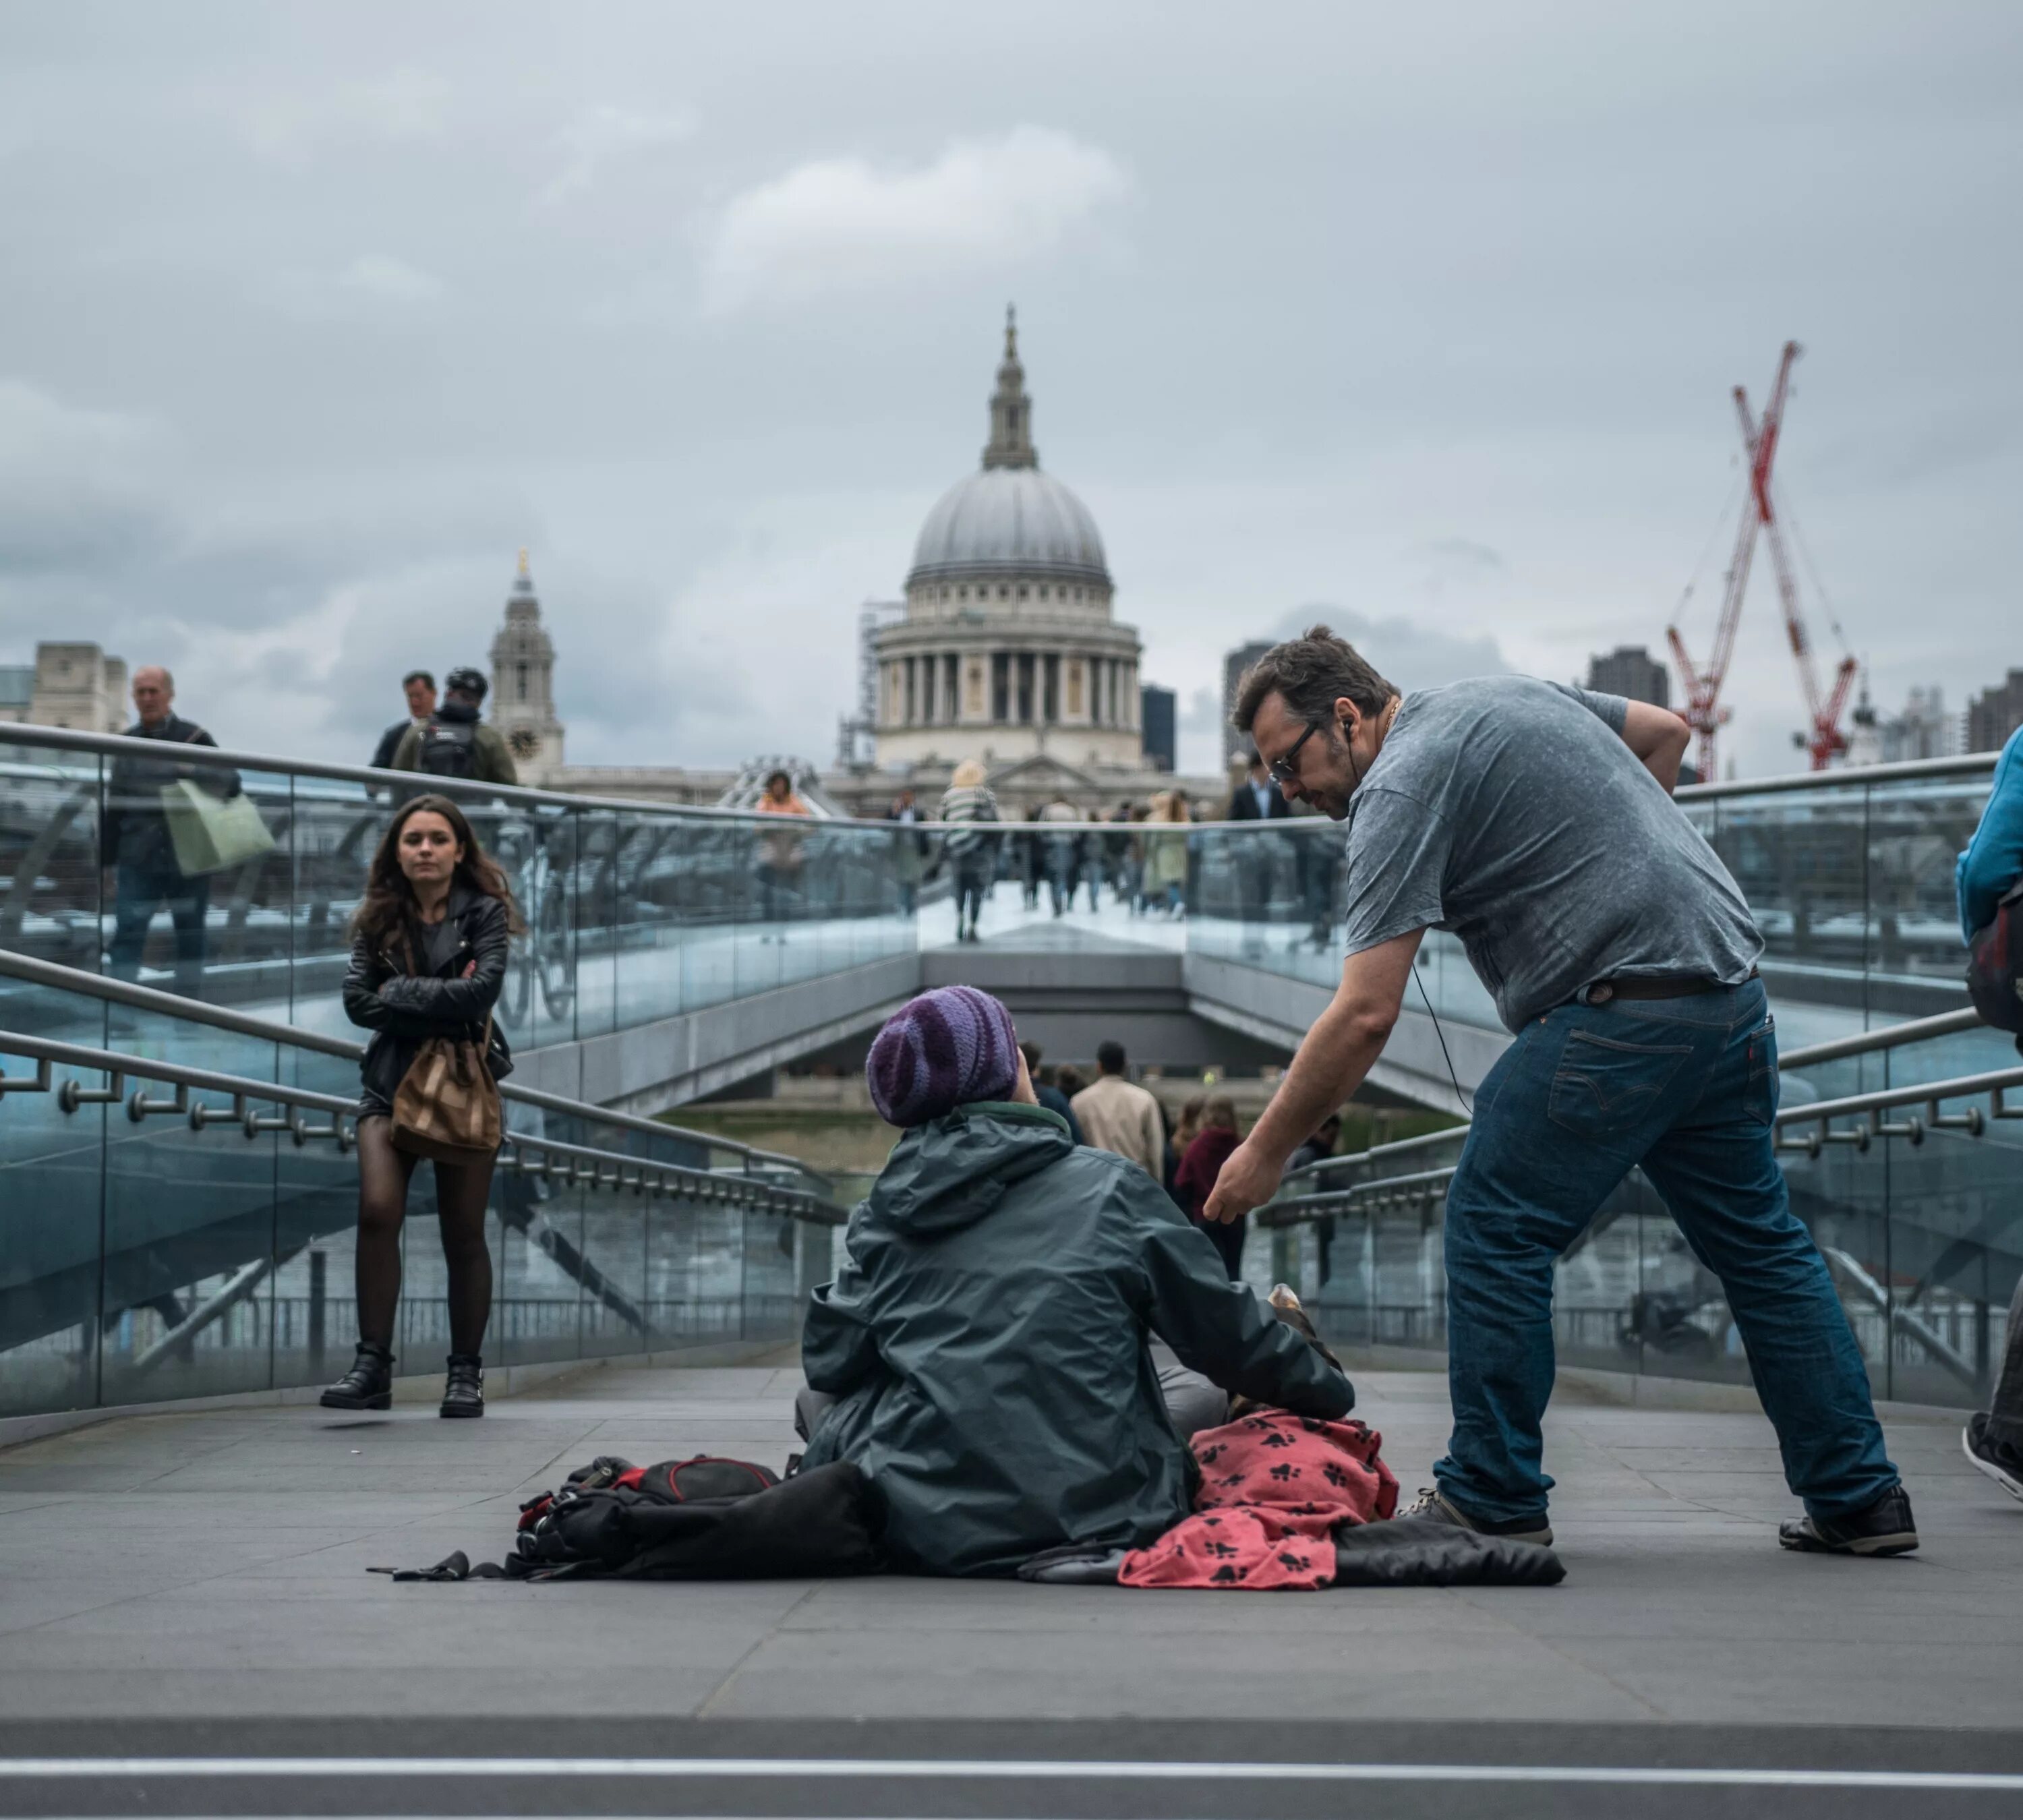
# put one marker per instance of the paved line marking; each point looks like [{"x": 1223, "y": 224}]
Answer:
[{"x": 703, "y": 1769}]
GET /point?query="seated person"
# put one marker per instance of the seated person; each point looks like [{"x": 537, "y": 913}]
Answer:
[{"x": 988, "y": 1344}]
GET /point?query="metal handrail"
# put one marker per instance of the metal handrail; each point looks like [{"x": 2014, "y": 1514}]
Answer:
[
  {"x": 642, "y": 1175},
  {"x": 71, "y": 739},
  {"x": 1888, "y": 1037},
  {"x": 1840, "y": 1048},
  {"x": 1904, "y": 771},
  {"x": 60, "y": 978},
  {"x": 1996, "y": 1085}
]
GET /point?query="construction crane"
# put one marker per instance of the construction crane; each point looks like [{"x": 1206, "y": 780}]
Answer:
[{"x": 1823, "y": 737}]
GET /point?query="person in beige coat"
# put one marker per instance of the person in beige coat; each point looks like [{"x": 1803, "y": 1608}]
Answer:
[{"x": 1116, "y": 1116}]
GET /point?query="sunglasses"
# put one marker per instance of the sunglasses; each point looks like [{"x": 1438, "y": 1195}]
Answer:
[{"x": 1284, "y": 769}]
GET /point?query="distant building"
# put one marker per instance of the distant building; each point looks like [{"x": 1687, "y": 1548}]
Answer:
[
  {"x": 1156, "y": 714},
  {"x": 1631, "y": 670},
  {"x": 1995, "y": 714},
  {"x": 1923, "y": 730},
  {"x": 1233, "y": 667},
  {"x": 69, "y": 685},
  {"x": 522, "y": 703}
]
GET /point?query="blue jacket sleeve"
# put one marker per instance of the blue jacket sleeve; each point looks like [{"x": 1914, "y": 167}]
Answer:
[{"x": 1993, "y": 860}]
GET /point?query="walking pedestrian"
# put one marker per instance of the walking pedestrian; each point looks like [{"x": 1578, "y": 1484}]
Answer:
[
  {"x": 1050, "y": 1095},
  {"x": 969, "y": 848},
  {"x": 1535, "y": 821},
  {"x": 1118, "y": 1116},
  {"x": 909, "y": 849},
  {"x": 428, "y": 957},
  {"x": 1989, "y": 883},
  {"x": 453, "y": 742},
  {"x": 781, "y": 854},
  {"x": 1256, "y": 857},
  {"x": 135, "y": 844},
  {"x": 419, "y": 687},
  {"x": 1166, "y": 853},
  {"x": 1062, "y": 841}
]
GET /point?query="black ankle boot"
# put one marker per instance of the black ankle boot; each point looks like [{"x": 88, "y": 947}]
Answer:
[
  {"x": 464, "y": 1394},
  {"x": 369, "y": 1383}
]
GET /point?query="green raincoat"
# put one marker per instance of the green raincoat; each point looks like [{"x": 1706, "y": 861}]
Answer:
[{"x": 990, "y": 1339}]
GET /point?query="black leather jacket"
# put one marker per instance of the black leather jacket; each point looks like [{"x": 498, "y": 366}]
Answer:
[{"x": 403, "y": 1009}]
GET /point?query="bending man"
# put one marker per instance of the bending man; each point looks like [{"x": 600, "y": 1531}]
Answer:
[{"x": 1534, "y": 821}]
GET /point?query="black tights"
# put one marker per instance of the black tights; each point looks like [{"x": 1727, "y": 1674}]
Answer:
[{"x": 462, "y": 1191}]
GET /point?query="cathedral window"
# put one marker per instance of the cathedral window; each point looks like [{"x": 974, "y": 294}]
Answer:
[
  {"x": 519, "y": 682},
  {"x": 1023, "y": 590}
]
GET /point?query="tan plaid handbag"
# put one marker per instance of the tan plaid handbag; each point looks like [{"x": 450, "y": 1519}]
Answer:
[{"x": 447, "y": 1107}]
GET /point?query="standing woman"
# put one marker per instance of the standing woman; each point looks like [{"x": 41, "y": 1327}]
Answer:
[{"x": 428, "y": 956}]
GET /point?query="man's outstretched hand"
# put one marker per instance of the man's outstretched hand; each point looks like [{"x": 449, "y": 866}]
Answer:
[{"x": 1249, "y": 1178}]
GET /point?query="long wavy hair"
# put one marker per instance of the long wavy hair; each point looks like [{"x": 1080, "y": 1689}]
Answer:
[{"x": 389, "y": 904}]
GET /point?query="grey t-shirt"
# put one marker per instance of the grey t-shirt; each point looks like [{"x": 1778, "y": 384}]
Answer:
[{"x": 1509, "y": 811}]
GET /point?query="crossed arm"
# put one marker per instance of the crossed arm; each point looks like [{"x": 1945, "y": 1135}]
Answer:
[
  {"x": 1659, "y": 738},
  {"x": 1337, "y": 1053}
]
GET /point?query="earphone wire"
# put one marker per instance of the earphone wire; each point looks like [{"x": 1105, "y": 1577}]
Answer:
[{"x": 1425, "y": 997}]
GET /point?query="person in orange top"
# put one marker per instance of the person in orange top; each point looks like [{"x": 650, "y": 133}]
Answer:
[{"x": 780, "y": 854}]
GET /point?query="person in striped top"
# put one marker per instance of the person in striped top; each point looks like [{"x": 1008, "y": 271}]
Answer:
[{"x": 969, "y": 848}]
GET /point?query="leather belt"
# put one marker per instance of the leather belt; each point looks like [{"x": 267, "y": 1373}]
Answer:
[{"x": 1678, "y": 986}]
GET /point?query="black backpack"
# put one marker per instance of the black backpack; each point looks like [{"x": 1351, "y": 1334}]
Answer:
[
  {"x": 449, "y": 748},
  {"x": 1994, "y": 965},
  {"x": 703, "y": 1518}
]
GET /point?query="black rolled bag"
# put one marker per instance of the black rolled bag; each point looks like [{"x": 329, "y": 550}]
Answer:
[{"x": 692, "y": 1519}]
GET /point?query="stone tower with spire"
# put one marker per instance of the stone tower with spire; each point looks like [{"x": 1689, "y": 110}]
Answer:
[
  {"x": 1011, "y": 444},
  {"x": 522, "y": 704}
]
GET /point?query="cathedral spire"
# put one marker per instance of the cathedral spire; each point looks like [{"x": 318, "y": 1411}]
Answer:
[{"x": 1011, "y": 444}]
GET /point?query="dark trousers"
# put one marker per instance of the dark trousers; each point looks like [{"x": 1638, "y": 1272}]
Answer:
[
  {"x": 2005, "y": 1421},
  {"x": 139, "y": 891},
  {"x": 1685, "y": 1088},
  {"x": 971, "y": 881}
]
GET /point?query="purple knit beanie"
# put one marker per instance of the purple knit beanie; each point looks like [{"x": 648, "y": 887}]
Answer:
[{"x": 940, "y": 1051}]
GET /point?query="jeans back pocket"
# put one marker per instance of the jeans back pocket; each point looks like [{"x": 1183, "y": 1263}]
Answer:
[{"x": 1605, "y": 1085}]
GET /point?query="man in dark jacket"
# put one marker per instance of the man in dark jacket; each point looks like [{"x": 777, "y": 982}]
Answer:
[
  {"x": 453, "y": 742},
  {"x": 1052, "y": 1098},
  {"x": 135, "y": 846},
  {"x": 990, "y": 1338},
  {"x": 1258, "y": 881},
  {"x": 420, "y": 688}
]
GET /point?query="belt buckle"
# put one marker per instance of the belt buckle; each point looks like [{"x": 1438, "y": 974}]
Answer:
[{"x": 1600, "y": 993}]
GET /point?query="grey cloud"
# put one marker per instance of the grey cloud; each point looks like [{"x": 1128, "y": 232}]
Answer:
[
  {"x": 1387, "y": 294},
  {"x": 1412, "y": 653}
]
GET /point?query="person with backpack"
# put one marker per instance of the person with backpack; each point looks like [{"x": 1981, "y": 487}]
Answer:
[
  {"x": 428, "y": 957},
  {"x": 985, "y": 1355},
  {"x": 1989, "y": 883},
  {"x": 453, "y": 742}
]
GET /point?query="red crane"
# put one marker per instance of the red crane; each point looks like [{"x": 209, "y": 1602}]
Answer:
[{"x": 1823, "y": 737}]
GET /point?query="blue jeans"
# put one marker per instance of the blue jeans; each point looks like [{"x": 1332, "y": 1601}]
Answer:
[{"x": 1686, "y": 1088}]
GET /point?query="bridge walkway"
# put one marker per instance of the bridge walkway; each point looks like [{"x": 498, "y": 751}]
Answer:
[{"x": 210, "y": 1566}]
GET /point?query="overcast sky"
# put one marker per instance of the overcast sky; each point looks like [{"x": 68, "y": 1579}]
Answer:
[{"x": 1425, "y": 315}]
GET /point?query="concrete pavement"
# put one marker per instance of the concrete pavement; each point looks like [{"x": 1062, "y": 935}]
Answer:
[{"x": 180, "y": 1577}]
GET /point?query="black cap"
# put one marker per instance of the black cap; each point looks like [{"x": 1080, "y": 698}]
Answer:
[{"x": 467, "y": 681}]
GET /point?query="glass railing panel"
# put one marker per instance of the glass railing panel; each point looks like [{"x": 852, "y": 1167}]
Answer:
[
  {"x": 602, "y": 838},
  {"x": 334, "y": 829},
  {"x": 52, "y": 895},
  {"x": 190, "y": 1230},
  {"x": 1915, "y": 958},
  {"x": 1267, "y": 896},
  {"x": 654, "y": 916},
  {"x": 771, "y": 1301},
  {"x": 51, "y": 1202}
]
